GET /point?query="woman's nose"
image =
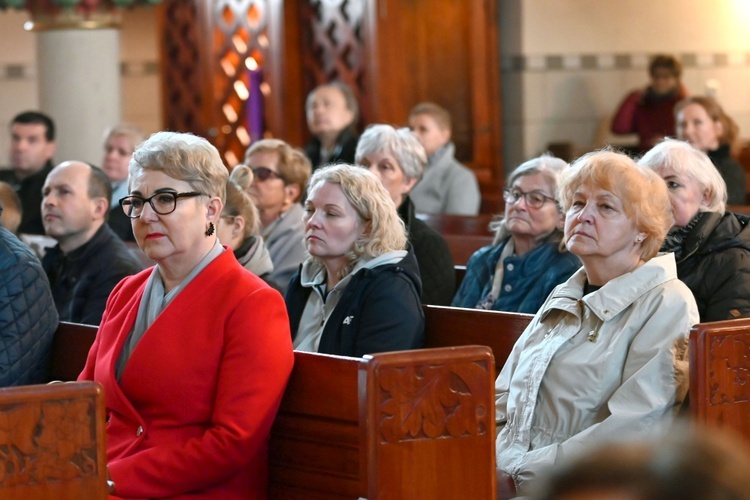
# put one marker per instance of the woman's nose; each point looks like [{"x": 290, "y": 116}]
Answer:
[{"x": 586, "y": 212}]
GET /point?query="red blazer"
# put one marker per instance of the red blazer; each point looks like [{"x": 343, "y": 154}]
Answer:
[{"x": 192, "y": 413}]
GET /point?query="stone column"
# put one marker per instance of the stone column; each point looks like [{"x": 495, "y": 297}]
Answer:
[{"x": 79, "y": 87}]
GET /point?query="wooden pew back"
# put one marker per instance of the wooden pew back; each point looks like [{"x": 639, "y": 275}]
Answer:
[
  {"x": 453, "y": 326},
  {"x": 410, "y": 424},
  {"x": 720, "y": 375},
  {"x": 52, "y": 442},
  {"x": 70, "y": 347},
  {"x": 467, "y": 225}
]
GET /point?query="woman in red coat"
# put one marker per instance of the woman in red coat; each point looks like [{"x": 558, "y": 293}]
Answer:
[{"x": 194, "y": 353}]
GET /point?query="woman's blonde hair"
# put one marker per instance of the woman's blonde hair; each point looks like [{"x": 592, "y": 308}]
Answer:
[
  {"x": 239, "y": 201},
  {"x": 643, "y": 193},
  {"x": 385, "y": 231},
  {"x": 184, "y": 157}
]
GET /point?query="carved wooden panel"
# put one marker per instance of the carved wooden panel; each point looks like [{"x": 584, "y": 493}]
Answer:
[
  {"x": 729, "y": 373},
  {"x": 720, "y": 375},
  {"x": 182, "y": 86},
  {"x": 52, "y": 442},
  {"x": 432, "y": 401},
  {"x": 429, "y": 403}
]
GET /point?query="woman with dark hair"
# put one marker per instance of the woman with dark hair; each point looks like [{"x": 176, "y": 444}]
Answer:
[
  {"x": 703, "y": 123},
  {"x": 648, "y": 112},
  {"x": 332, "y": 114}
]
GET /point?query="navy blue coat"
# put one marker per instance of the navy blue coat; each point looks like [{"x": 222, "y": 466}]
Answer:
[
  {"x": 28, "y": 317},
  {"x": 527, "y": 279}
]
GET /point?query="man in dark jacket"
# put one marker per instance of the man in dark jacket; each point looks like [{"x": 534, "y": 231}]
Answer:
[
  {"x": 89, "y": 259},
  {"x": 32, "y": 145},
  {"x": 28, "y": 318}
]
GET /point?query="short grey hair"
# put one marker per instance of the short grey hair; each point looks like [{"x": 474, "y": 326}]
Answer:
[
  {"x": 685, "y": 159},
  {"x": 182, "y": 156},
  {"x": 400, "y": 143},
  {"x": 551, "y": 169}
]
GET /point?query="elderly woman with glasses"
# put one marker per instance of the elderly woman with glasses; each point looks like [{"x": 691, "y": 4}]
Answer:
[
  {"x": 280, "y": 174},
  {"x": 193, "y": 353},
  {"x": 526, "y": 260}
]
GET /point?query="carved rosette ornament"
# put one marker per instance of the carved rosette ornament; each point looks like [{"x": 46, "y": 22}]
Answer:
[
  {"x": 73, "y": 14},
  {"x": 431, "y": 401}
]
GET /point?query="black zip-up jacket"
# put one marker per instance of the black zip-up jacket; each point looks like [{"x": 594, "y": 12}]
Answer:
[
  {"x": 714, "y": 262},
  {"x": 379, "y": 311}
]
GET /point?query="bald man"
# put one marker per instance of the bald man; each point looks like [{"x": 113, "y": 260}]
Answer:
[{"x": 89, "y": 259}]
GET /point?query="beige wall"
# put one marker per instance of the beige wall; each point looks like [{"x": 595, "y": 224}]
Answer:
[
  {"x": 141, "y": 97},
  {"x": 566, "y": 64}
]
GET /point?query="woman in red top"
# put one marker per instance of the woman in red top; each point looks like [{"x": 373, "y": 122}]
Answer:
[
  {"x": 193, "y": 353},
  {"x": 649, "y": 112}
]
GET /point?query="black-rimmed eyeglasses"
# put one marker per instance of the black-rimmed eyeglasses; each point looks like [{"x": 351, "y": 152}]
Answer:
[
  {"x": 162, "y": 203},
  {"x": 533, "y": 199}
]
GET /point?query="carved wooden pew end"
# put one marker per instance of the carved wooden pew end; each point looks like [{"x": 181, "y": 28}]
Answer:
[{"x": 52, "y": 443}]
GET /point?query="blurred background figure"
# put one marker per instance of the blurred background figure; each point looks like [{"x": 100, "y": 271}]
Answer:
[
  {"x": 687, "y": 464},
  {"x": 10, "y": 216},
  {"x": 239, "y": 226},
  {"x": 119, "y": 144},
  {"x": 711, "y": 246},
  {"x": 703, "y": 123},
  {"x": 447, "y": 187},
  {"x": 280, "y": 174},
  {"x": 332, "y": 114},
  {"x": 649, "y": 112},
  {"x": 32, "y": 144},
  {"x": 526, "y": 260},
  {"x": 397, "y": 158},
  {"x": 89, "y": 259},
  {"x": 358, "y": 292}
]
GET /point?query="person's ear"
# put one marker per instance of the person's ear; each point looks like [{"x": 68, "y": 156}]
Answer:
[
  {"x": 214, "y": 208},
  {"x": 50, "y": 149},
  {"x": 101, "y": 206},
  {"x": 409, "y": 185},
  {"x": 238, "y": 226},
  {"x": 292, "y": 192}
]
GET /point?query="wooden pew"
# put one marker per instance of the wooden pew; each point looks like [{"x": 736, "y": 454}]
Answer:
[
  {"x": 52, "y": 442},
  {"x": 453, "y": 326},
  {"x": 409, "y": 424},
  {"x": 70, "y": 346},
  {"x": 739, "y": 209},
  {"x": 720, "y": 375},
  {"x": 469, "y": 225},
  {"x": 462, "y": 247}
]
